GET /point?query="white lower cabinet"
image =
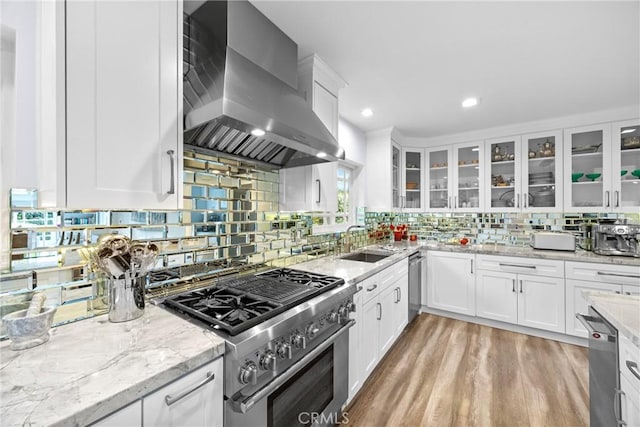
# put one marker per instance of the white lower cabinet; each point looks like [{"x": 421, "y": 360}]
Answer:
[
  {"x": 576, "y": 303},
  {"x": 534, "y": 299},
  {"x": 194, "y": 400},
  {"x": 629, "y": 362},
  {"x": 129, "y": 416},
  {"x": 383, "y": 311},
  {"x": 450, "y": 282}
]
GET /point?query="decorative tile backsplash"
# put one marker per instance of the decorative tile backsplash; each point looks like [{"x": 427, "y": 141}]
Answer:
[{"x": 230, "y": 224}]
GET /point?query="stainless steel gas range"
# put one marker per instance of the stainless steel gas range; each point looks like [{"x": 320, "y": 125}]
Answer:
[{"x": 287, "y": 347}]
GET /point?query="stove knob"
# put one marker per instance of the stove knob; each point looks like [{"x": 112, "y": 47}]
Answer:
[
  {"x": 268, "y": 361},
  {"x": 283, "y": 350},
  {"x": 249, "y": 373},
  {"x": 299, "y": 340},
  {"x": 312, "y": 330},
  {"x": 333, "y": 317},
  {"x": 343, "y": 313}
]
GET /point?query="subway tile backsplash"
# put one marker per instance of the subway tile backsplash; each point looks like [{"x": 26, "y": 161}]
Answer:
[{"x": 230, "y": 224}]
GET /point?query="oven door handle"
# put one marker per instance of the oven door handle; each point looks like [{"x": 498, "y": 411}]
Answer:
[{"x": 243, "y": 405}]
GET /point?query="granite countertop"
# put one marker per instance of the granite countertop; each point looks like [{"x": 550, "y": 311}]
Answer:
[
  {"x": 91, "y": 368},
  {"x": 623, "y": 311},
  {"x": 357, "y": 271},
  {"x": 525, "y": 251}
]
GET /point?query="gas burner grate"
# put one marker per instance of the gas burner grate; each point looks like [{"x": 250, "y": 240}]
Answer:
[{"x": 268, "y": 288}]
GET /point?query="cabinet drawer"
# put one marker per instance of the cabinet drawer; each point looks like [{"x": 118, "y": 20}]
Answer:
[
  {"x": 384, "y": 279},
  {"x": 606, "y": 273},
  {"x": 532, "y": 266}
]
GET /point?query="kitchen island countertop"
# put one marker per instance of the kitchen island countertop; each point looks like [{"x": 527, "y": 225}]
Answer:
[
  {"x": 623, "y": 311},
  {"x": 91, "y": 368}
]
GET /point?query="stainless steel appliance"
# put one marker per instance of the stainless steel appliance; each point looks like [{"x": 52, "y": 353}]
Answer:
[
  {"x": 416, "y": 265},
  {"x": 604, "y": 380},
  {"x": 241, "y": 89},
  {"x": 287, "y": 344},
  {"x": 616, "y": 239},
  {"x": 553, "y": 241}
]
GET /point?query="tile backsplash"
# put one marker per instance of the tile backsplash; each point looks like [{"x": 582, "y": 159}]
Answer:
[{"x": 230, "y": 224}]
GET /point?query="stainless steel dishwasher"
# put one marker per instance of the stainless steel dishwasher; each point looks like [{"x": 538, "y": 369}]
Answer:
[
  {"x": 604, "y": 379},
  {"x": 416, "y": 264}
]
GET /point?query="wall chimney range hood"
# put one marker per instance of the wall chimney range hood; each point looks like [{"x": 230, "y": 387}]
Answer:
[{"x": 240, "y": 76}]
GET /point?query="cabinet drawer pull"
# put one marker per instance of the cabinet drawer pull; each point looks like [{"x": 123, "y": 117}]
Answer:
[
  {"x": 172, "y": 188},
  {"x": 170, "y": 400},
  {"x": 604, "y": 273},
  {"x": 370, "y": 288},
  {"x": 516, "y": 265},
  {"x": 633, "y": 367}
]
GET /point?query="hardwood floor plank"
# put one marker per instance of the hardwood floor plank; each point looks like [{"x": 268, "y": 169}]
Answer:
[{"x": 445, "y": 372}]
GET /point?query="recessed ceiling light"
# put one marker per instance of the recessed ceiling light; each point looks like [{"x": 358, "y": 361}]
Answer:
[
  {"x": 628, "y": 131},
  {"x": 321, "y": 154},
  {"x": 257, "y": 132},
  {"x": 470, "y": 102},
  {"x": 367, "y": 112}
]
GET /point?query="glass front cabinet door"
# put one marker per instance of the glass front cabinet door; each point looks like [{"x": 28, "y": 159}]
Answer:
[
  {"x": 412, "y": 178},
  {"x": 467, "y": 185},
  {"x": 395, "y": 176},
  {"x": 626, "y": 165},
  {"x": 541, "y": 181},
  {"x": 587, "y": 169},
  {"x": 503, "y": 157},
  {"x": 440, "y": 196}
]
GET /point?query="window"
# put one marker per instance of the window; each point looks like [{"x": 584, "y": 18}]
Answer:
[{"x": 344, "y": 188}]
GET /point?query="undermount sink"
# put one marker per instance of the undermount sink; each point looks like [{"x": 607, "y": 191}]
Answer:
[{"x": 365, "y": 256}]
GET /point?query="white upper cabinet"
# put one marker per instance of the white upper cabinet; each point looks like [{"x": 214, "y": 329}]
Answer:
[
  {"x": 439, "y": 178},
  {"x": 587, "y": 169},
  {"x": 320, "y": 85},
  {"x": 384, "y": 171},
  {"x": 412, "y": 179},
  {"x": 124, "y": 104},
  {"x": 525, "y": 173},
  {"x": 310, "y": 188},
  {"x": 626, "y": 165}
]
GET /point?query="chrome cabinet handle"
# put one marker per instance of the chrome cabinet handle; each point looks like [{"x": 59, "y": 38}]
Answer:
[
  {"x": 520, "y": 286},
  {"x": 617, "y": 193},
  {"x": 455, "y": 202},
  {"x": 633, "y": 367},
  {"x": 471, "y": 265},
  {"x": 172, "y": 188},
  {"x": 449, "y": 203},
  {"x": 518, "y": 200},
  {"x": 370, "y": 288},
  {"x": 616, "y": 399},
  {"x": 395, "y": 296},
  {"x": 319, "y": 189},
  {"x": 604, "y": 273},
  {"x": 399, "y": 294},
  {"x": 170, "y": 400},
  {"x": 513, "y": 285},
  {"x": 607, "y": 203},
  {"x": 524, "y": 200},
  {"x": 516, "y": 265},
  {"x": 380, "y": 312}
]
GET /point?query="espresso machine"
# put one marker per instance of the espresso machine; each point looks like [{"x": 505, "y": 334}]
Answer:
[{"x": 616, "y": 239}]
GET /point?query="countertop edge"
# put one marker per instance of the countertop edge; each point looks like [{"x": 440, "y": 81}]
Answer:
[{"x": 601, "y": 301}]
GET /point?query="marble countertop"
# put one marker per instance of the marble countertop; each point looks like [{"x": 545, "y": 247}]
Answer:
[
  {"x": 91, "y": 368},
  {"x": 525, "y": 251},
  {"x": 623, "y": 311},
  {"x": 357, "y": 271}
]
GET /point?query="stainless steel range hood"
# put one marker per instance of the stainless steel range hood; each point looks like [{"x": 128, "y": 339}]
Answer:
[{"x": 240, "y": 74}]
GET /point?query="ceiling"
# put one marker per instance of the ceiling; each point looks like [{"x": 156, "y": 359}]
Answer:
[{"x": 414, "y": 62}]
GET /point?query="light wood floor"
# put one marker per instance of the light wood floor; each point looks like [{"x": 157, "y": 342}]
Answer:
[{"x": 444, "y": 372}]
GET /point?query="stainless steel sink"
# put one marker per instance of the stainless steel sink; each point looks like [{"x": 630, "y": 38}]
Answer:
[{"x": 365, "y": 256}]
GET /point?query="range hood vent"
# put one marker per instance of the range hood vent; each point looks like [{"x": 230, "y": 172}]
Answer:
[{"x": 240, "y": 74}]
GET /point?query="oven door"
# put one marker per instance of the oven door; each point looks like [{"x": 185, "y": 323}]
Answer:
[{"x": 310, "y": 393}]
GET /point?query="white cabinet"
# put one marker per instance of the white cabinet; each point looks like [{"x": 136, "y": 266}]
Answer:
[
  {"x": 384, "y": 310},
  {"x": 450, "y": 282},
  {"x": 124, "y": 104},
  {"x": 625, "y": 168},
  {"x": 129, "y": 416},
  {"x": 309, "y": 188},
  {"x": 597, "y": 277},
  {"x": 521, "y": 291},
  {"x": 356, "y": 373},
  {"x": 525, "y": 173},
  {"x": 412, "y": 179},
  {"x": 629, "y": 363},
  {"x": 195, "y": 399},
  {"x": 455, "y": 177},
  {"x": 320, "y": 85},
  {"x": 384, "y": 170}
]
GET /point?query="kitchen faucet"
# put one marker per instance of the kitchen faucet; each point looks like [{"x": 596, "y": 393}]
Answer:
[{"x": 347, "y": 246}]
